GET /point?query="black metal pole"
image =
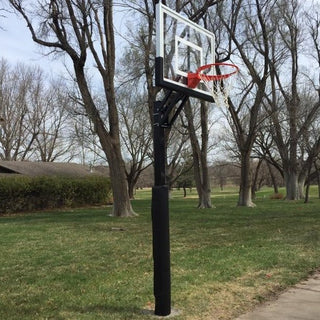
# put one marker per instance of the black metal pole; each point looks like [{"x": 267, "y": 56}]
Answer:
[{"x": 160, "y": 221}]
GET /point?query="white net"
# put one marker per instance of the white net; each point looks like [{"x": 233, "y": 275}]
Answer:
[
  {"x": 220, "y": 85},
  {"x": 219, "y": 89}
]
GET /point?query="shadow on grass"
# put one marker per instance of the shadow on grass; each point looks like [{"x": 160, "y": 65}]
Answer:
[
  {"x": 63, "y": 215},
  {"x": 122, "y": 312},
  {"x": 107, "y": 310}
]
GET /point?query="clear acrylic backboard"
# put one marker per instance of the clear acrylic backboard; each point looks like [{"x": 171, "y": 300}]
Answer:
[{"x": 182, "y": 46}]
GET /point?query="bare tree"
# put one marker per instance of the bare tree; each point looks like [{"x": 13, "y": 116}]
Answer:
[
  {"x": 35, "y": 122},
  {"x": 266, "y": 150},
  {"x": 20, "y": 88},
  {"x": 289, "y": 107},
  {"x": 51, "y": 120},
  {"x": 245, "y": 22},
  {"x": 84, "y": 31},
  {"x": 140, "y": 53},
  {"x": 135, "y": 134},
  {"x": 89, "y": 149},
  {"x": 199, "y": 13},
  {"x": 178, "y": 153},
  {"x": 200, "y": 153}
]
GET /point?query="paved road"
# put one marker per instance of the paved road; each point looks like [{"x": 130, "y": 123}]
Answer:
[{"x": 301, "y": 302}]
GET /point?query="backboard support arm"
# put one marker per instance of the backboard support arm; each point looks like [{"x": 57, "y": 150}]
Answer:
[{"x": 166, "y": 107}]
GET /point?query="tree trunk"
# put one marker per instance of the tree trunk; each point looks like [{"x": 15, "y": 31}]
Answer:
[
  {"x": 131, "y": 189},
  {"x": 132, "y": 179},
  {"x": 292, "y": 186},
  {"x": 221, "y": 183},
  {"x": 254, "y": 187},
  {"x": 301, "y": 185},
  {"x": 121, "y": 201},
  {"x": 318, "y": 178},
  {"x": 306, "y": 199},
  {"x": 318, "y": 181},
  {"x": 201, "y": 173},
  {"x": 308, "y": 179},
  {"x": 245, "y": 199},
  {"x": 273, "y": 179},
  {"x": 184, "y": 190},
  {"x": 201, "y": 177},
  {"x": 205, "y": 199},
  {"x": 110, "y": 143}
]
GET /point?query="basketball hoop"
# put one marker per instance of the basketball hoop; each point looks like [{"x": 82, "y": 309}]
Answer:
[{"x": 217, "y": 77}]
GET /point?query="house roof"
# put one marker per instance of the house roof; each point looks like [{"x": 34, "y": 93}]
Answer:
[{"x": 29, "y": 168}]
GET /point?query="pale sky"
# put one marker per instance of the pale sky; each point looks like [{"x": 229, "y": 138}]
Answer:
[{"x": 17, "y": 45}]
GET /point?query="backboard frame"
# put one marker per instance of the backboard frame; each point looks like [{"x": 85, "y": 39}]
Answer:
[{"x": 177, "y": 80}]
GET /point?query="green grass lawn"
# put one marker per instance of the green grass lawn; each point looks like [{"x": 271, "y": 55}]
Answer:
[{"x": 84, "y": 264}]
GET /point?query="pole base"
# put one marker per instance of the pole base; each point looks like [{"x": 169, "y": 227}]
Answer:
[
  {"x": 161, "y": 250},
  {"x": 151, "y": 313}
]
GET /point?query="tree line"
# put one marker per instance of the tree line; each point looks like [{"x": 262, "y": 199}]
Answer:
[{"x": 273, "y": 111}]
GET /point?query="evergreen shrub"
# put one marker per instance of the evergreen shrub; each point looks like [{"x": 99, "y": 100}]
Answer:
[{"x": 18, "y": 193}]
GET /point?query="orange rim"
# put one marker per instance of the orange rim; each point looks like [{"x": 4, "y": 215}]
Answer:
[{"x": 217, "y": 76}]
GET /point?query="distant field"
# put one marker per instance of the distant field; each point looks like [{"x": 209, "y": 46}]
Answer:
[{"x": 83, "y": 264}]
